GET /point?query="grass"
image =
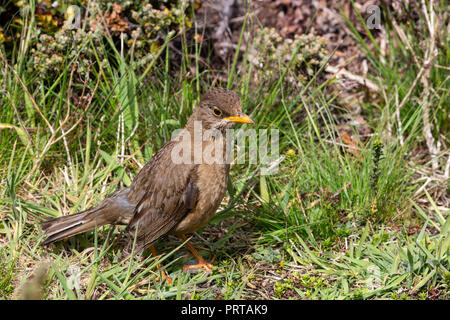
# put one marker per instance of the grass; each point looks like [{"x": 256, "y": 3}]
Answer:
[{"x": 337, "y": 221}]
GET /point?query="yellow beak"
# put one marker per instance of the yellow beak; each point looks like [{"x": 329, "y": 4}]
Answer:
[{"x": 242, "y": 119}]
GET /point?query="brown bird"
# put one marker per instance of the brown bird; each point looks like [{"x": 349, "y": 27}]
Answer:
[{"x": 177, "y": 192}]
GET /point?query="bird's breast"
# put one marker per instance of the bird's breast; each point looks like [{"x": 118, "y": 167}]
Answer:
[{"x": 211, "y": 184}]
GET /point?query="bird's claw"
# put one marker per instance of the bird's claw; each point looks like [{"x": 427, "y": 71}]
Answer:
[
  {"x": 201, "y": 265},
  {"x": 164, "y": 277}
]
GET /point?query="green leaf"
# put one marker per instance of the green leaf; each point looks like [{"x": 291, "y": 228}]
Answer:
[
  {"x": 170, "y": 122},
  {"x": 264, "y": 192},
  {"x": 115, "y": 166},
  {"x": 20, "y": 132}
]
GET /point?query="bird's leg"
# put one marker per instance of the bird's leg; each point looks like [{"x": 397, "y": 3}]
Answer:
[
  {"x": 164, "y": 274},
  {"x": 201, "y": 262}
]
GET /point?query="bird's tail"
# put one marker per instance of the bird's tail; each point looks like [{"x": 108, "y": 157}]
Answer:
[
  {"x": 113, "y": 210},
  {"x": 67, "y": 226}
]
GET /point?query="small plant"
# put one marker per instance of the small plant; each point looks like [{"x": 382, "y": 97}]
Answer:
[
  {"x": 50, "y": 52},
  {"x": 377, "y": 152},
  {"x": 281, "y": 287},
  {"x": 66, "y": 32},
  {"x": 6, "y": 273},
  {"x": 358, "y": 295},
  {"x": 269, "y": 50}
]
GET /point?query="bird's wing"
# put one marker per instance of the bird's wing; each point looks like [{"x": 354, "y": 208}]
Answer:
[{"x": 164, "y": 192}]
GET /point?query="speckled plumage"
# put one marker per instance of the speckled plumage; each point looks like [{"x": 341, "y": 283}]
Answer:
[{"x": 165, "y": 197}]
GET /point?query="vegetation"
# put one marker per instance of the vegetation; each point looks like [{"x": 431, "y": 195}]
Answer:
[{"x": 359, "y": 209}]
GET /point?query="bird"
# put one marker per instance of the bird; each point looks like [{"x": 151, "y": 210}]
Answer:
[{"x": 177, "y": 191}]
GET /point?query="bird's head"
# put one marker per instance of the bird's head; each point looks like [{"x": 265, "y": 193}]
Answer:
[{"x": 220, "y": 109}]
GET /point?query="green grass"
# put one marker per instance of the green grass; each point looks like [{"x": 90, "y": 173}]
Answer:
[{"x": 330, "y": 224}]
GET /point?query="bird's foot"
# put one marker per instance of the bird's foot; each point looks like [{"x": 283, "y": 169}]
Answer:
[
  {"x": 202, "y": 264},
  {"x": 144, "y": 282},
  {"x": 164, "y": 277}
]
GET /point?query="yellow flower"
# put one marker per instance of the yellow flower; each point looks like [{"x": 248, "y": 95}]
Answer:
[{"x": 290, "y": 153}]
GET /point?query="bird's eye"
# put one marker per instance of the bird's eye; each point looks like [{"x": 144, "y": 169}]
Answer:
[{"x": 217, "y": 112}]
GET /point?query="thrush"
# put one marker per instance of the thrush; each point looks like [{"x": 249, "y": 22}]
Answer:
[{"x": 177, "y": 191}]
